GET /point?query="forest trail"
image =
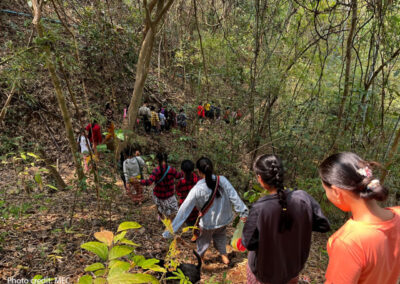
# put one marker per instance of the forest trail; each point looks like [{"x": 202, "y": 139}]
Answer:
[{"x": 39, "y": 240}]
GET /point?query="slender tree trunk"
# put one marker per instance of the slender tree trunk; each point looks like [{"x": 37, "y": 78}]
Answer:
[
  {"x": 146, "y": 49},
  {"x": 347, "y": 81},
  {"x": 59, "y": 94},
  {"x": 53, "y": 171},
  {"x": 393, "y": 150}
]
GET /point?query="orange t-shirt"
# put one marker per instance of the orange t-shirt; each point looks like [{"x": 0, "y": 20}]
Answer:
[{"x": 365, "y": 252}]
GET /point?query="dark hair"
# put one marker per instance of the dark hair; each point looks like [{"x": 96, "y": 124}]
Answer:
[
  {"x": 205, "y": 166},
  {"x": 162, "y": 157},
  {"x": 187, "y": 166},
  {"x": 108, "y": 106},
  {"x": 270, "y": 169},
  {"x": 181, "y": 110},
  {"x": 348, "y": 171},
  {"x": 152, "y": 108}
]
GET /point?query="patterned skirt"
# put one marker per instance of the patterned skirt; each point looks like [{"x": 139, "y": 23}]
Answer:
[
  {"x": 166, "y": 207},
  {"x": 251, "y": 278}
]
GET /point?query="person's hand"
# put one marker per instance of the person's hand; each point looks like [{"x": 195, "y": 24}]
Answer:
[{"x": 167, "y": 235}]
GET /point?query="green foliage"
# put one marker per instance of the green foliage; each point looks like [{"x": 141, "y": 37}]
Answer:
[{"x": 110, "y": 250}]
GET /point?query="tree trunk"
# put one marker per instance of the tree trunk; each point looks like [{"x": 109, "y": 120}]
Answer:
[
  {"x": 349, "y": 47},
  {"x": 393, "y": 150},
  {"x": 54, "y": 173},
  {"x": 142, "y": 70},
  {"x": 59, "y": 94}
]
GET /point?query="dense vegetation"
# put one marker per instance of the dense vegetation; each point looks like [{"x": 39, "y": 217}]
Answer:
[{"x": 311, "y": 78}]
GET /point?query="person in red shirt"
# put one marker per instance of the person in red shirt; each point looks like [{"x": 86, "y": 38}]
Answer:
[
  {"x": 163, "y": 193},
  {"x": 200, "y": 111},
  {"x": 185, "y": 185},
  {"x": 94, "y": 135},
  {"x": 366, "y": 249}
]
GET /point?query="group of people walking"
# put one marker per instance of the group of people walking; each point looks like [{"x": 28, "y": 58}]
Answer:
[
  {"x": 278, "y": 227},
  {"x": 162, "y": 120}
]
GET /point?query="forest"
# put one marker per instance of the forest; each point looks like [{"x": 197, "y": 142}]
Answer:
[{"x": 299, "y": 79}]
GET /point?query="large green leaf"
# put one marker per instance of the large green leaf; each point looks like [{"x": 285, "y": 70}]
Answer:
[
  {"x": 85, "y": 279},
  {"x": 128, "y": 225},
  {"x": 119, "y": 237},
  {"x": 100, "y": 280},
  {"x": 129, "y": 242},
  {"x": 127, "y": 278},
  {"x": 94, "y": 266},
  {"x": 119, "y": 251},
  {"x": 119, "y": 267},
  {"x": 98, "y": 248}
]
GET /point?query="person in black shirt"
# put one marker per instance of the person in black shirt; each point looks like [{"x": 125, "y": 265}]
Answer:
[{"x": 278, "y": 230}]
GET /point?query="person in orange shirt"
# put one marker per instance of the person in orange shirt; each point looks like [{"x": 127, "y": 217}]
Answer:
[{"x": 366, "y": 249}]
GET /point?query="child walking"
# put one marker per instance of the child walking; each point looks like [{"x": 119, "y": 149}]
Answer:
[
  {"x": 214, "y": 222},
  {"x": 185, "y": 185},
  {"x": 366, "y": 249},
  {"x": 133, "y": 173},
  {"x": 163, "y": 193},
  {"x": 277, "y": 232}
]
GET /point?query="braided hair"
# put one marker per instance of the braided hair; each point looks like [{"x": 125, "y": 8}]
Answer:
[
  {"x": 270, "y": 169},
  {"x": 162, "y": 157},
  {"x": 205, "y": 166}
]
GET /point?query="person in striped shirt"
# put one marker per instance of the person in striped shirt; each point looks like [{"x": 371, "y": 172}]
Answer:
[{"x": 163, "y": 193}]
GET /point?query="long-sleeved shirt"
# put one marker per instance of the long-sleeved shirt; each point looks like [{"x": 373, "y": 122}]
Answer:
[
  {"x": 278, "y": 257},
  {"x": 219, "y": 214},
  {"x": 131, "y": 167},
  {"x": 154, "y": 118},
  {"x": 165, "y": 188},
  {"x": 145, "y": 111}
]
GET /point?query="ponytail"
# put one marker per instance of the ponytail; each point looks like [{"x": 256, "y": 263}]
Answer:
[
  {"x": 205, "y": 166},
  {"x": 162, "y": 157},
  {"x": 187, "y": 167}
]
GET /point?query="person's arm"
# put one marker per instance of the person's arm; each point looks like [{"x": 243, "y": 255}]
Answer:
[
  {"x": 250, "y": 234},
  {"x": 177, "y": 174},
  {"x": 319, "y": 222},
  {"x": 238, "y": 204},
  {"x": 345, "y": 263},
  {"x": 141, "y": 161},
  {"x": 151, "y": 179},
  {"x": 183, "y": 212}
]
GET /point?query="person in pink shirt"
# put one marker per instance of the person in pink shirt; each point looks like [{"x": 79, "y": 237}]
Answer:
[{"x": 366, "y": 249}]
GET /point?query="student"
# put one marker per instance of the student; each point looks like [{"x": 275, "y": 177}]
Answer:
[
  {"x": 84, "y": 146},
  {"x": 94, "y": 135},
  {"x": 219, "y": 215},
  {"x": 110, "y": 137},
  {"x": 145, "y": 115},
  {"x": 200, "y": 112},
  {"x": 133, "y": 167},
  {"x": 366, "y": 249},
  {"x": 163, "y": 192},
  {"x": 277, "y": 233},
  {"x": 184, "y": 186},
  {"x": 207, "y": 107},
  {"x": 155, "y": 121},
  {"x": 161, "y": 117},
  {"x": 182, "y": 119}
]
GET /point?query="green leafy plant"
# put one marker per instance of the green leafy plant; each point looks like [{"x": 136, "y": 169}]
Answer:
[{"x": 118, "y": 259}]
